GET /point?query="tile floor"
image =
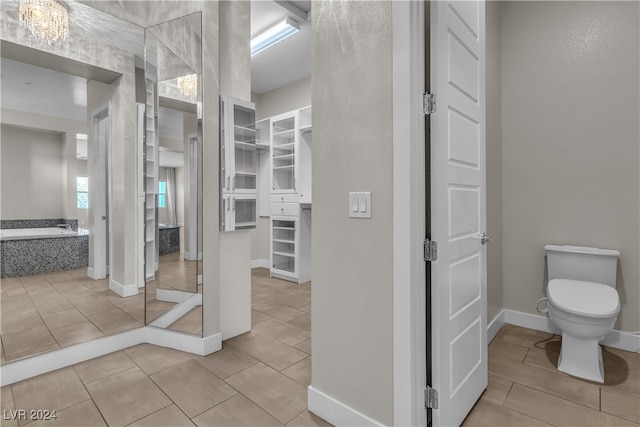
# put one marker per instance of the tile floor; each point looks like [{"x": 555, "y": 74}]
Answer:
[
  {"x": 526, "y": 389},
  {"x": 260, "y": 379},
  {"x": 49, "y": 311}
]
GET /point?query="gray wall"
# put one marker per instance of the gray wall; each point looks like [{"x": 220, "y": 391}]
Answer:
[
  {"x": 32, "y": 174},
  {"x": 494, "y": 160},
  {"x": 352, "y": 258},
  {"x": 570, "y": 141}
]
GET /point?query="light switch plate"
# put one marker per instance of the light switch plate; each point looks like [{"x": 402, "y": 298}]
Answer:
[{"x": 360, "y": 204}]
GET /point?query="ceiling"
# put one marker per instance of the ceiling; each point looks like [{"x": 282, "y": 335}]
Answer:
[
  {"x": 289, "y": 60},
  {"x": 27, "y": 87}
]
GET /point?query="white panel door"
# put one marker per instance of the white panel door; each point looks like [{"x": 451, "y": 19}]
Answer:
[{"x": 458, "y": 209}]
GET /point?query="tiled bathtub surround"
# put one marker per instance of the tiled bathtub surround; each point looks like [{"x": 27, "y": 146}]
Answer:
[
  {"x": 37, "y": 223},
  {"x": 26, "y": 257},
  {"x": 169, "y": 239}
]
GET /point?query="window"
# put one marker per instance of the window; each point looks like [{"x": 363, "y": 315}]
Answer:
[
  {"x": 82, "y": 189},
  {"x": 162, "y": 194}
]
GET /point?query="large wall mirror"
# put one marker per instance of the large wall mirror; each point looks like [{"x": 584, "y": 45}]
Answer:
[
  {"x": 173, "y": 170},
  {"x": 66, "y": 108}
]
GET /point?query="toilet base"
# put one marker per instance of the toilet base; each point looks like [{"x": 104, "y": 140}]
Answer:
[{"x": 581, "y": 358}]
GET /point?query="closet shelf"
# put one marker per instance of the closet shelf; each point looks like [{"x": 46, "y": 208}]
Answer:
[
  {"x": 287, "y": 254},
  {"x": 283, "y": 167},
  {"x": 292, "y": 242}
]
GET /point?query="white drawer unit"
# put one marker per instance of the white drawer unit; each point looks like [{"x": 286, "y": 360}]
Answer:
[
  {"x": 284, "y": 198},
  {"x": 281, "y": 209}
]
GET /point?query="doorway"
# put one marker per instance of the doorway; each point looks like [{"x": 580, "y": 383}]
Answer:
[{"x": 99, "y": 182}]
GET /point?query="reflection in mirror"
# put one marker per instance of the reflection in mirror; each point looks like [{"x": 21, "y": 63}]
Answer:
[
  {"x": 52, "y": 112},
  {"x": 173, "y": 147}
]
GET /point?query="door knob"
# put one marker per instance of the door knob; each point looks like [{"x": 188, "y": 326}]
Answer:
[{"x": 484, "y": 238}]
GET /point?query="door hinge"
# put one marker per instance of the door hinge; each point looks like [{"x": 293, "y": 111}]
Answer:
[
  {"x": 430, "y": 249},
  {"x": 430, "y": 398},
  {"x": 428, "y": 103}
]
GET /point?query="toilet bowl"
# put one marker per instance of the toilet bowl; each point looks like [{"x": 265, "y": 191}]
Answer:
[
  {"x": 585, "y": 312},
  {"x": 583, "y": 303}
]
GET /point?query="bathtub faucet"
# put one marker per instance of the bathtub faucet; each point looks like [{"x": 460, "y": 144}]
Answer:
[{"x": 65, "y": 226}]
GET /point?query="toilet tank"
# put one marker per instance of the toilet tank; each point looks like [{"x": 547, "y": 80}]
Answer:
[{"x": 582, "y": 263}]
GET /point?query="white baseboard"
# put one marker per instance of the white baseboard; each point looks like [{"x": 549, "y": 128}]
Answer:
[
  {"x": 616, "y": 339},
  {"x": 174, "y": 295},
  {"x": 90, "y": 273},
  {"x": 176, "y": 312},
  {"x": 256, "y": 263},
  {"x": 123, "y": 290},
  {"x": 494, "y": 326},
  {"x": 23, "y": 369},
  {"x": 336, "y": 412}
]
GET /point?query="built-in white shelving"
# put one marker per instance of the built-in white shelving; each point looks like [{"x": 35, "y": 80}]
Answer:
[
  {"x": 239, "y": 160},
  {"x": 151, "y": 157}
]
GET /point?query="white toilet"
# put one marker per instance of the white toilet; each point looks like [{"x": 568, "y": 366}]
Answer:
[{"x": 583, "y": 303}]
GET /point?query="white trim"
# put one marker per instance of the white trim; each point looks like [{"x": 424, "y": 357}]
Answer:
[
  {"x": 178, "y": 311},
  {"x": 123, "y": 290},
  {"x": 174, "y": 295},
  {"x": 91, "y": 273},
  {"x": 616, "y": 339},
  {"x": 260, "y": 263},
  {"x": 494, "y": 326},
  {"x": 336, "y": 412},
  {"x": 23, "y": 369},
  {"x": 409, "y": 190},
  {"x": 189, "y": 257}
]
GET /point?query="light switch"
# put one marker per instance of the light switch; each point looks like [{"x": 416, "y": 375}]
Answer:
[{"x": 360, "y": 204}]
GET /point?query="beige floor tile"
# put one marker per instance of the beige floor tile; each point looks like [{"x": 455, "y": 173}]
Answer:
[
  {"x": 492, "y": 415},
  {"x": 304, "y": 346},
  {"x": 152, "y": 358},
  {"x": 16, "y": 322},
  {"x": 509, "y": 351},
  {"x": 542, "y": 359},
  {"x": 563, "y": 386},
  {"x": 282, "y": 331},
  {"x": 257, "y": 300},
  {"x": 497, "y": 390},
  {"x": 170, "y": 416},
  {"x": 308, "y": 419},
  {"x": 83, "y": 414},
  {"x": 190, "y": 323},
  {"x": 289, "y": 300},
  {"x": 193, "y": 387},
  {"x": 558, "y": 412},
  {"x": 59, "y": 276},
  {"x": 63, "y": 318},
  {"x": 114, "y": 319},
  {"x": 269, "y": 389},
  {"x": 258, "y": 316},
  {"x": 303, "y": 322},
  {"x": 29, "y": 341},
  {"x": 227, "y": 361},
  {"x": 56, "y": 390},
  {"x": 127, "y": 396},
  {"x": 279, "y": 311},
  {"x": 236, "y": 411},
  {"x": 620, "y": 404},
  {"x": 305, "y": 308},
  {"x": 74, "y": 334},
  {"x": 7, "y": 405},
  {"x": 621, "y": 371},
  {"x": 92, "y": 305},
  {"x": 525, "y": 337},
  {"x": 300, "y": 372},
  {"x": 46, "y": 305},
  {"x": 273, "y": 353},
  {"x": 103, "y": 366}
]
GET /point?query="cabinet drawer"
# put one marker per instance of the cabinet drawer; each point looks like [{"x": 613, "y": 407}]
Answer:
[
  {"x": 287, "y": 209},
  {"x": 284, "y": 198}
]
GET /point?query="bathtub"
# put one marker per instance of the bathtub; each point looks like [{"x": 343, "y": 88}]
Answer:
[
  {"x": 39, "y": 233},
  {"x": 28, "y": 251}
]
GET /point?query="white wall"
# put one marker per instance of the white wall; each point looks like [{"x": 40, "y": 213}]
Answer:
[
  {"x": 570, "y": 141},
  {"x": 32, "y": 174},
  {"x": 352, "y": 258}
]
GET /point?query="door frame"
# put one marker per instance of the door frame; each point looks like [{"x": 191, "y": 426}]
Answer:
[
  {"x": 101, "y": 193},
  {"x": 409, "y": 213}
]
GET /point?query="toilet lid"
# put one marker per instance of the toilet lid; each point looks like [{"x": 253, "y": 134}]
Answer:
[{"x": 585, "y": 298}]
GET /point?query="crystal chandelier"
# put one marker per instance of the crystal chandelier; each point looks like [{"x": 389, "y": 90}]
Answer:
[
  {"x": 188, "y": 85},
  {"x": 46, "y": 19}
]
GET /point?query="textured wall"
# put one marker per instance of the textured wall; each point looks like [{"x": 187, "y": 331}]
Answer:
[
  {"x": 352, "y": 258},
  {"x": 570, "y": 141}
]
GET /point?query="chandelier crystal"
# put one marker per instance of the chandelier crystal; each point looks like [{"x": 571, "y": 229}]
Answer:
[
  {"x": 45, "y": 19},
  {"x": 188, "y": 85}
]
